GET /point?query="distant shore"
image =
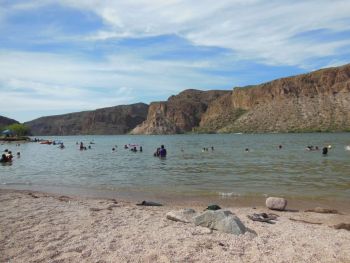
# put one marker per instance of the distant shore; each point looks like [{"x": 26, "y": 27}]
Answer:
[
  {"x": 37, "y": 226},
  {"x": 14, "y": 139}
]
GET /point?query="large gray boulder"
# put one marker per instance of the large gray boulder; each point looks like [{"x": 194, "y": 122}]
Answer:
[
  {"x": 184, "y": 215},
  {"x": 221, "y": 220},
  {"x": 276, "y": 203}
]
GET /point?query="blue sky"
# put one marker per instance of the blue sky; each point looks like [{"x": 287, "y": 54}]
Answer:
[{"x": 65, "y": 56}]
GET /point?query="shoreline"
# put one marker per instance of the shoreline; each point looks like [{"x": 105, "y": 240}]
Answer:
[
  {"x": 295, "y": 203},
  {"x": 41, "y": 227}
]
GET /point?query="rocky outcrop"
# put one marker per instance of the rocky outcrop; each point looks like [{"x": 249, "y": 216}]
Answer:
[
  {"x": 179, "y": 114},
  {"x": 317, "y": 101},
  {"x": 6, "y": 121},
  {"x": 113, "y": 120}
]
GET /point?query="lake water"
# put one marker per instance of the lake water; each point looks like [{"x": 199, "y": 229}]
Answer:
[{"x": 187, "y": 172}]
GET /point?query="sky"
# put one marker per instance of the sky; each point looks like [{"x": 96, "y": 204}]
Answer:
[{"x": 60, "y": 56}]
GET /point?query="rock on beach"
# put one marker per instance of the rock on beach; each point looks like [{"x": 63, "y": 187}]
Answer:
[
  {"x": 221, "y": 220},
  {"x": 276, "y": 203},
  {"x": 184, "y": 215}
]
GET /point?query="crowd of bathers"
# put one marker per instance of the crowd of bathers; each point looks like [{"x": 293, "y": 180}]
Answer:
[{"x": 7, "y": 156}]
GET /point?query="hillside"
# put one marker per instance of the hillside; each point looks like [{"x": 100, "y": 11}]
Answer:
[
  {"x": 113, "y": 120},
  {"x": 6, "y": 121},
  {"x": 317, "y": 101}
]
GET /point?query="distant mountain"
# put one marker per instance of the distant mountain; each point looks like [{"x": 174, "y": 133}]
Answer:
[
  {"x": 179, "y": 114},
  {"x": 317, "y": 101},
  {"x": 113, "y": 120},
  {"x": 6, "y": 121}
]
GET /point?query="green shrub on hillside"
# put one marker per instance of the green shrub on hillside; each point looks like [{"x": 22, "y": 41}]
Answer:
[{"x": 17, "y": 129}]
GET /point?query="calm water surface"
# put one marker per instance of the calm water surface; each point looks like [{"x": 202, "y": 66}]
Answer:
[{"x": 228, "y": 171}]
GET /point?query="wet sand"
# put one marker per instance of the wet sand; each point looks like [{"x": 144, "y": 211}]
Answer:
[{"x": 42, "y": 227}]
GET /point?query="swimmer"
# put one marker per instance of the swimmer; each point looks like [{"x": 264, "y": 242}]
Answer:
[
  {"x": 280, "y": 146},
  {"x": 3, "y": 158},
  {"x": 141, "y": 149},
  {"x": 162, "y": 152},
  {"x": 247, "y": 149},
  {"x": 325, "y": 150},
  {"x": 156, "y": 153}
]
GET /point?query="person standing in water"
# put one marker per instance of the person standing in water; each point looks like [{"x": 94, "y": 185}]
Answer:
[
  {"x": 325, "y": 151},
  {"x": 162, "y": 152}
]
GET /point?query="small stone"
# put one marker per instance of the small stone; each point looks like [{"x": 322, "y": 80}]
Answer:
[
  {"x": 95, "y": 209},
  {"x": 64, "y": 198},
  {"x": 276, "y": 203}
]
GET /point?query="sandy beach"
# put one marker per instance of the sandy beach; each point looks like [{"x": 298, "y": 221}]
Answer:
[{"x": 41, "y": 227}]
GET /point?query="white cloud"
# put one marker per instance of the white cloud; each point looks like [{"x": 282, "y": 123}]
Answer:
[
  {"x": 255, "y": 29},
  {"x": 33, "y": 81}
]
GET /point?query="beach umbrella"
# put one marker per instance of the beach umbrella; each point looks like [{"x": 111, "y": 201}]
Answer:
[{"x": 7, "y": 132}]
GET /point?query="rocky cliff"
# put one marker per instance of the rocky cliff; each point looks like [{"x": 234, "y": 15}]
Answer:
[
  {"x": 113, "y": 120},
  {"x": 317, "y": 101},
  {"x": 6, "y": 121},
  {"x": 179, "y": 114}
]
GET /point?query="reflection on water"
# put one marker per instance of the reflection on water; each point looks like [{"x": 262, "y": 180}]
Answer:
[{"x": 227, "y": 171}]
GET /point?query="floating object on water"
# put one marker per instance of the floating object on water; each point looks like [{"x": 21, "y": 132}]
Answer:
[
  {"x": 347, "y": 148},
  {"x": 46, "y": 142}
]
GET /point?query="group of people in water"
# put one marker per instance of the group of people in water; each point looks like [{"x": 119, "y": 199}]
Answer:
[
  {"x": 206, "y": 149},
  {"x": 316, "y": 148},
  {"x": 133, "y": 147},
  {"x": 160, "y": 152},
  {"x": 7, "y": 156},
  {"x": 82, "y": 147}
]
